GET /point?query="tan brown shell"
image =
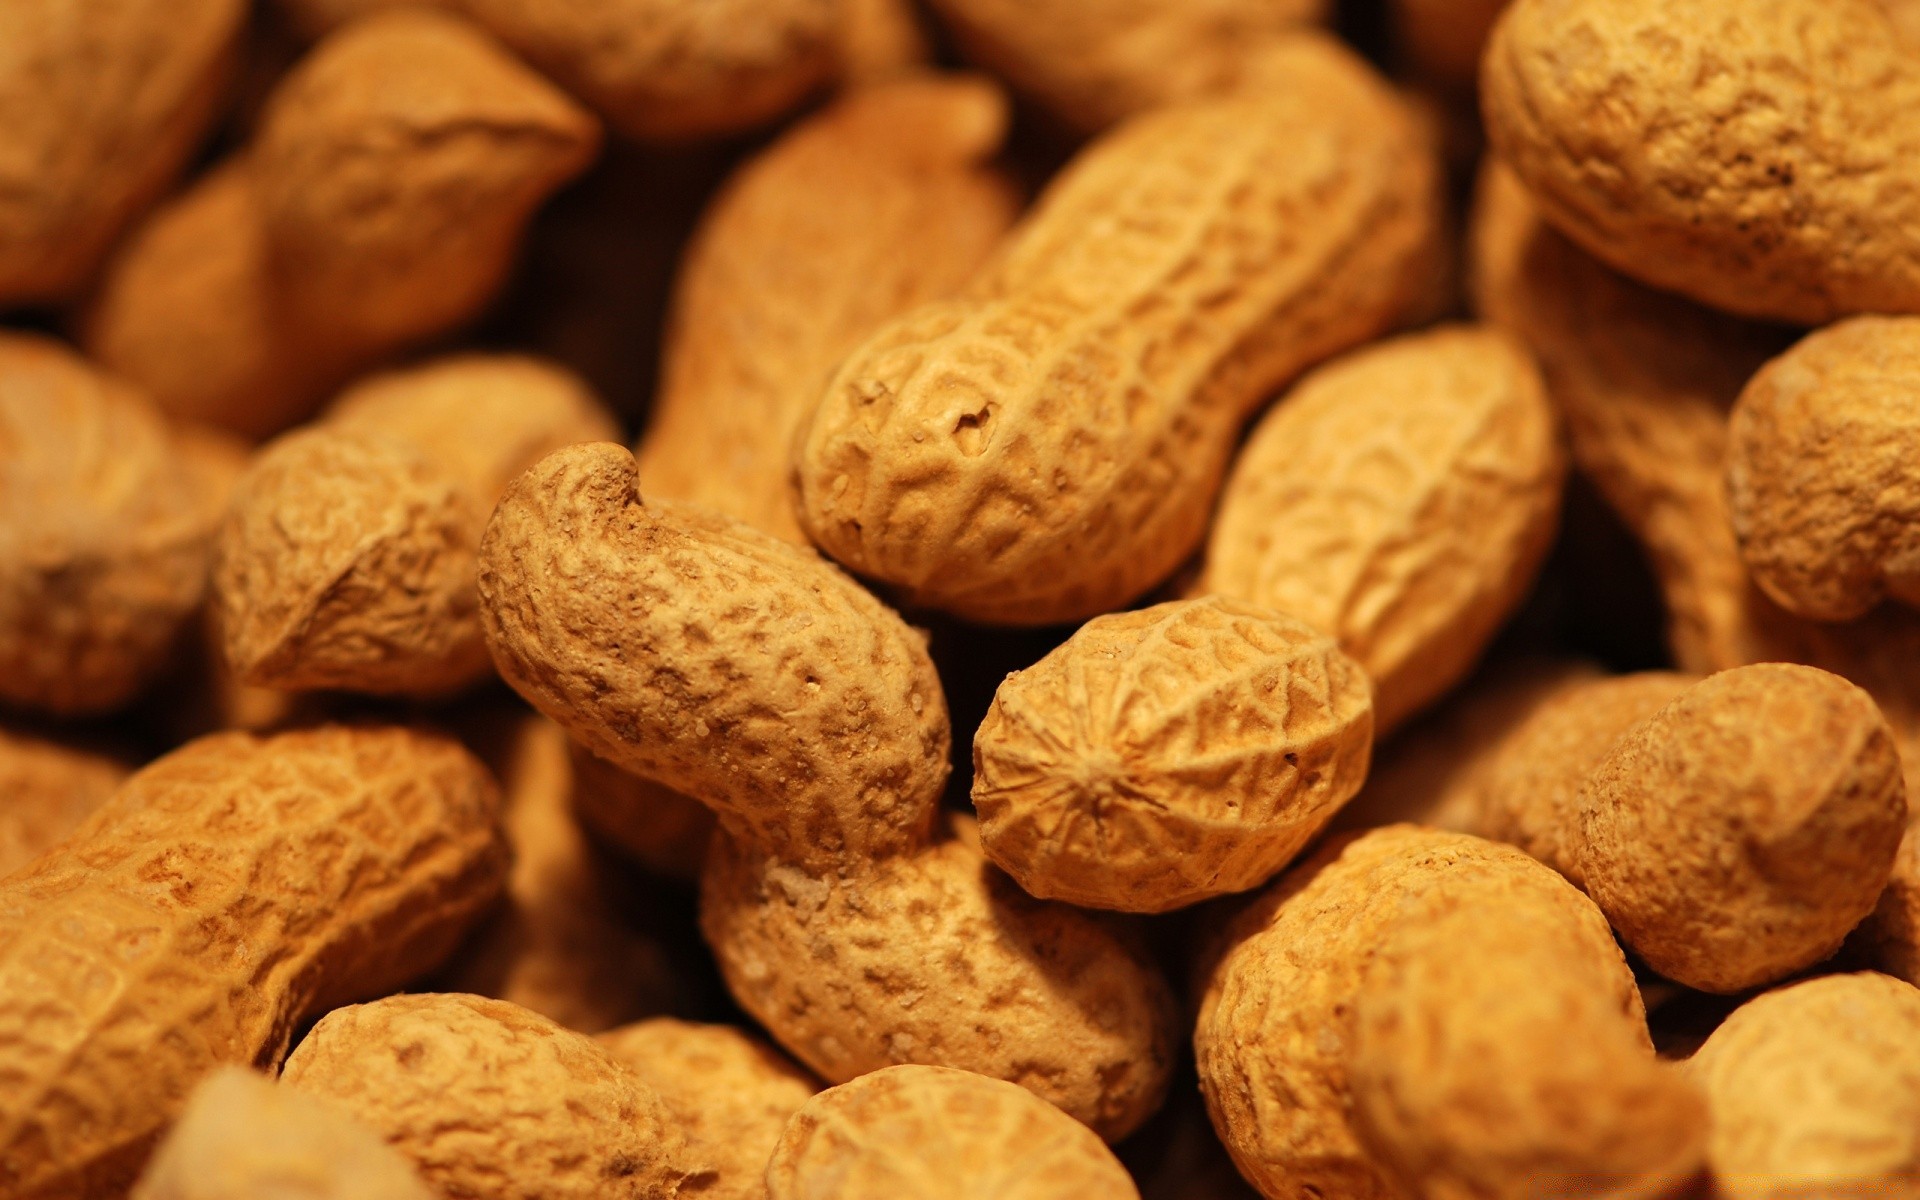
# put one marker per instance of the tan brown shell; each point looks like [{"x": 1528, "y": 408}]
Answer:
[
  {"x": 1821, "y": 470},
  {"x": 1740, "y": 833},
  {"x": 936, "y": 957},
  {"x": 46, "y": 790},
  {"x": 1401, "y": 499},
  {"x": 728, "y": 665},
  {"x": 930, "y": 1133},
  {"x": 661, "y": 829},
  {"x": 1165, "y": 756},
  {"x": 225, "y": 893},
  {"x": 1815, "y": 1089},
  {"x": 1800, "y": 209},
  {"x": 883, "y": 201},
  {"x": 1046, "y": 447},
  {"x": 729, "y": 1091},
  {"x": 105, "y": 102},
  {"x": 482, "y": 1095},
  {"x": 242, "y": 1138},
  {"x": 107, "y": 519}
]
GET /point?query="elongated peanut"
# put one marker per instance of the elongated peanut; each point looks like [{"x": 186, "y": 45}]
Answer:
[
  {"x": 226, "y": 892},
  {"x": 1046, "y": 446},
  {"x": 479, "y": 1094},
  {"x": 1815, "y": 1089},
  {"x": 106, "y": 101},
  {"x": 1758, "y": 210},
  {"x": 49, "y": 789},
  {"x": 1400, "y": 499},
  {"x": 729, "y": 1091},
  {"x": 106, "y": 526},
  {"x": 1743, "y": 830},
  {"x": 1164, "y": 756},
  {"x": 241, "y": 1138},
  {"x": 1820, "y": 470},
  {"x": 927, "y": 1132},
  {"x": 880, "y": 203}
]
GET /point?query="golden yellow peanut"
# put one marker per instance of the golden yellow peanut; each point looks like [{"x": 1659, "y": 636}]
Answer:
[
  {"x": 1442, "y": 39},
  {"x": 880, "y": 203},
  {"x": 46, "y": 790},
  {"x": 348, "y": 555},
  {"x": 1401, "y": 499},
  {"x": 663, "y": 830},
  {"x": 363, "y": 218},
  {"x": 932, "y": 1133},
  {"x": 1815, "y": 1091},
  {"x": 1740, "y": 833},
  {"x": 224, "y": 894},
  {"x": 1046, "y": 446},
  {"x": 1165, "y": 756},
  {"x": 1821, "y": 470},
  {"x": 559, "y": 942},
  {"x": 937, "y": 957},
  {"x": 1905, "y": 15},
  {"x": 1091, "y": 65},
  {"x": 1765, "y": 211},
  {"x": 730, "y": 1092},
  {"x": 480, "y": 1094},
  {"x": 1500, "y": 1050},
  {"x": 242, "y": 1138},
  {"x": 105, "y": 101},
  {"x": 694, "y": 650},
  {"x": 107, "y": 519}
]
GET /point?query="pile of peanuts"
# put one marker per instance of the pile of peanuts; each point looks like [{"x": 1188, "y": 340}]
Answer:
[{"x": 994, "y": 599}]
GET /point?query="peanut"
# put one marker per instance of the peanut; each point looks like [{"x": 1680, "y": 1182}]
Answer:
[
  {"x": 732, "y": 1094},
  {"x": 809, "y": 246},
  {"x": 223, "y": 894},
  {"x": 1046, "y": 447},
  {"x": 1165, "y": 756},
  {"x": 932, "y": 1132},
  {"x": 481, "y": 1095},
  {"x": 1815, "y": 1090},
  {"x": 107, "y": 519},
  {"x": 1400, "y": 499},
  {"x": 1802, "y": 209},
  {"x": 1823, "y": 444},
  {"x": 49, "y": 788},
  {"x": 106, "y": 101},
  {"x": 241, "y": 1138}
]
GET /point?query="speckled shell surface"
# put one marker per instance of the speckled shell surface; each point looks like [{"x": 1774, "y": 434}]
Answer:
[
  {"x": 731, "y": 666},
  {"x": 1815, "y": 1090},
  {"x": 1168, "y": 755},
  {"x": 931, "y": 1133},
  {"x": 937, "y": 957},
  {"x": 1821, "y": 470},
  {"x": 46, "y": 790},
  {"x": 1046, "y": 447},
  {"x": 1637, "y": 123},
  {"x": 1738, "y": 834},
  {"x": 1401, "y": 499},
  {"x": 730, "y": 1092},
  {"x": 224, "y": 893},
  {"x": 883, "y": 201},
  {"x": 485, "y": 1098}
]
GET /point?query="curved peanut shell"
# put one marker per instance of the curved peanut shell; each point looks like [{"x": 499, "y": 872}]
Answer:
[
  {"x": 1821, "y": 470},
  {"x": 1091, "y": 65},
  {"x": 1737, "y": 835},
  {"x": 225, "y": 893},
  {"x": 1815, "y": 1089},
  {"x": 1046, "y": 447},
  {"x": 1803, "y": 208},
  {"x": 46, "y": 791},
  {"x": 1165, "y": 756},
  {"x": 107, "y": 520},
  {"x": 105, "y": 101},
  {"x": 936, "y": 957},
  {"x": 1401, "y": 499},
  {"x": 880, "y": 203},
  {"x": 474, "y": 1092},
  {"x": 931, "y": 1133},
  {"x": 696, "y": 651}
]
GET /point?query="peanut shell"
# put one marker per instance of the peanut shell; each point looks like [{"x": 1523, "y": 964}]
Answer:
[{"x": 48, "y": 789}]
